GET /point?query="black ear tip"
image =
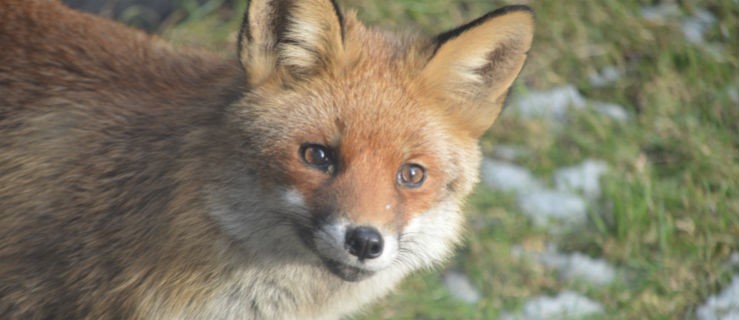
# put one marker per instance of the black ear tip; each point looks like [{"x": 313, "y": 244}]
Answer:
[
  {"x": 515, "y": 7},
  {"x": 340, "y": 16},
  {"x": 509, "y": 9},
  {"x": 444, "y": 37}
]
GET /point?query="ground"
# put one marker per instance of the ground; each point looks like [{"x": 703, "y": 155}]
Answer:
[{"x": 624, "y": 127}]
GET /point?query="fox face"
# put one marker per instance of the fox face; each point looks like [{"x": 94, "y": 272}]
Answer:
[
  {"x": 357, "y": 183},
  {"x": 365, "y": 142}
]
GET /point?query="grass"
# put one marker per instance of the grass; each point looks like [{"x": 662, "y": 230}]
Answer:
[{"x": 668, "y": 218}]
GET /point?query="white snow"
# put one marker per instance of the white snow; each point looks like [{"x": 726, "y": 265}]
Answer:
[
  {"x": 662, "y": 12},
  {"x": 509, "y": 152},
  {"x": 606, "y": 76},
  {"x": 584, "y": 178},
  {"x": 565, "y": 305},
  {"x": 460, "y": 287},
  {"x": 611, "y": 110},
  {"x": 505, "y": 176},
  {"x": 545, "y": 207},
  {"x": 733, "y": 94},
  {"x": 579, "y": 266},
  {"x": 552, "y": 103},
  {"x": 722, "y": 306},
  {"x": 542, "y": 205},
  {"x": 571, "y": 266},
  {"x": 556, "y": 103},
  {"x": 694, "y": 27},
  {"x": 734, "y": 259}
]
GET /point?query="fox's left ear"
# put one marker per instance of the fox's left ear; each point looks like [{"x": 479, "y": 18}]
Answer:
[
  {"x": 295, "y": 38},
  {"x": 473, "y": 66}
]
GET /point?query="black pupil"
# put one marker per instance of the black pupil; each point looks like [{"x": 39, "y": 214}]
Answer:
[
  {"x": 316, "y": 155},
  {"x": 412, "y": 175}
]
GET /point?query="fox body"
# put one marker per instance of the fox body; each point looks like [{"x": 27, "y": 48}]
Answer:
[{"x": 301, "y": 180}]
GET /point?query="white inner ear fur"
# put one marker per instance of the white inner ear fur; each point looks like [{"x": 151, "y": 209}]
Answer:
[
  {"x": 256, "y": 55},
  {"x": 305, "y": 33},
  {"x": 312, "y": 36},
  {"x": 313, "y": 33}
]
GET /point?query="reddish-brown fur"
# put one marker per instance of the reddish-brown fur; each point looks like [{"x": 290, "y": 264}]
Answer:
[
  {"x": 142, "y": 181},
  {"x": 82, "y": 101}
]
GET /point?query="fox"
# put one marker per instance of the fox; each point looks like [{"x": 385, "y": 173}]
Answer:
[{"x": 301, "y": 178}]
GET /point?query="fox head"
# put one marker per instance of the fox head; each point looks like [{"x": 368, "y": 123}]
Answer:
[{"x": 357, "y": 147}]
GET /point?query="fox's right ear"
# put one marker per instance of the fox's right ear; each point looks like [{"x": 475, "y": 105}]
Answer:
[
  {"x": 473, "y": 66},
  {"x": 295, "y": 38}
]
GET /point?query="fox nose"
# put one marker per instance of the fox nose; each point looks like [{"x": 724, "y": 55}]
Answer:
[{"x": 364, "y": 242}]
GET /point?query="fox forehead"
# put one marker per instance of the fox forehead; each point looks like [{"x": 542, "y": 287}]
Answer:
[
  {"x": 375, "y": 112},
  {"x": 362, "y": 113},
  {"x": 371, "y": 96}
]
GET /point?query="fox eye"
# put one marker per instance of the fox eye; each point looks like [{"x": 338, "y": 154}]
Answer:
[
  {"x": 317, "y": 156},
  {"x": 411, "y": 175}
]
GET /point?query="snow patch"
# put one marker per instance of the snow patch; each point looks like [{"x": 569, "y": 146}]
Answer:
[
  {"x": 662, "y": 12},
  {"x": 695, "y": 27},
  {"x": 556, "y": 103},
  {"x": 509, "y": 152},
  {"x": 552, "y": 103},
  {"x": 734, "y": 259},
  {"x": 605, "y": 76},
  {"x": 579, "y": 266},
  {"x": 571, "y": 266},
  {"x": 611, "y": 110},
  {"x": 565, "y": 305},
  {"x": 722, "y": 306},
  {"x": 546, "y": 207},
  {"x": 505, "y": 176},
  {"x": 460, "y": 287},
  {"x": 584, "y": 178}
]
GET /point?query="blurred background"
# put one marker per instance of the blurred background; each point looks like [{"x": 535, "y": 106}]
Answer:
[{"x": 610, "y": 185}]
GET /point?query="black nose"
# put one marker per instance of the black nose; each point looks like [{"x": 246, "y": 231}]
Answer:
[{"x": 364, "y": 242}]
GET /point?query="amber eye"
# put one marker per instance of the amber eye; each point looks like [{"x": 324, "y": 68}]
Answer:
[
  {"x": 317, "y": 156},
  {"x": 411, "y": 175}
]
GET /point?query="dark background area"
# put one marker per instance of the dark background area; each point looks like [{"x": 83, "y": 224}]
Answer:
[{"x": 150, "y": 15}]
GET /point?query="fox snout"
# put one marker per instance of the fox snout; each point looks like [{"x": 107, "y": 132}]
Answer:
[
  {"x": 354, "y": 252},
  {"x": 364, "y": 242}
]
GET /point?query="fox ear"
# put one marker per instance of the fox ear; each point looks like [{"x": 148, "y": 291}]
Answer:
[
  {"x": 473, "y": 66},
  {"x": 299, "y": 37}
]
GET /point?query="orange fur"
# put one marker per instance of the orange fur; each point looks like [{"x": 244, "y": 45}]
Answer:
[{"x": 142, "y": 181}]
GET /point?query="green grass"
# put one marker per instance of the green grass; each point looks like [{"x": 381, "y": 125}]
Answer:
[{"x": 668, "y": 218}]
